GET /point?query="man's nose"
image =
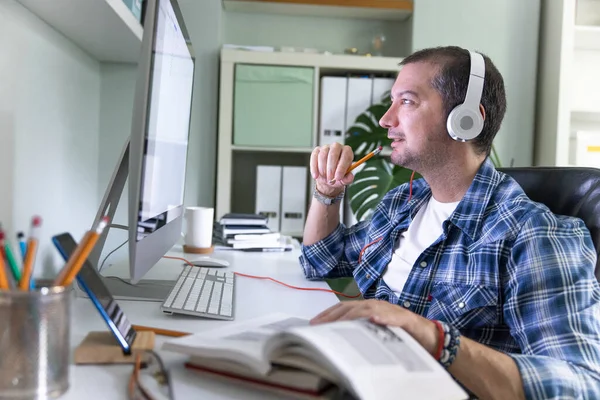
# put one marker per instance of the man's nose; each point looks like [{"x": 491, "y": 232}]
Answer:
[{"x": 389, "y": 119}]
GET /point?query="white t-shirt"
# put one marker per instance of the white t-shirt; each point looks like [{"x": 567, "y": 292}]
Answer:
[{"x": 424, "y": 229}]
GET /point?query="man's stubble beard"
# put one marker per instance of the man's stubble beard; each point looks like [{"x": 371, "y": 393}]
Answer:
[{"x": 435, "y": 159}]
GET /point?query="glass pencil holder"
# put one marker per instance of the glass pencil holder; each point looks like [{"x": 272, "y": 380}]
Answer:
[{"x": 35, "y": 342}]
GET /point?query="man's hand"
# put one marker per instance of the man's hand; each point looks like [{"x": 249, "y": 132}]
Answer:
[
  {"x": 328, "y": 166},
  {"x": 384, "y": 313}
]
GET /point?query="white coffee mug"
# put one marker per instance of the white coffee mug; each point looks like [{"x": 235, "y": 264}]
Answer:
[{"x": 198, "y": 227}]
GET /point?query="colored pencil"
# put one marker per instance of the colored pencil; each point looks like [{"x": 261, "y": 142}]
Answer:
[
  {"x": 81, "y": 253},
  {"x": 32, "y": 245},
  {"x": 4, "y": 285}
]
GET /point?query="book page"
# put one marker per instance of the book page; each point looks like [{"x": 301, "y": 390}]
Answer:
[
  {"x": 378, "y": 362},
  {"x": 245, "y": 342}
]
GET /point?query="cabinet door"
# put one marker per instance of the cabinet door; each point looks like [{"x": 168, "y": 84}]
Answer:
[{"x": 273, "y": 106}]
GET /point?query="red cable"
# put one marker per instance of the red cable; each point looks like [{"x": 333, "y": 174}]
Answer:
[
  {"x": 275, "y": 280},
  {"x": 410, "y": 185}
]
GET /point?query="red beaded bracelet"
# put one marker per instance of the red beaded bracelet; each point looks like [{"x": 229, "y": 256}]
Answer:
[{"x": 441, "y": 337}]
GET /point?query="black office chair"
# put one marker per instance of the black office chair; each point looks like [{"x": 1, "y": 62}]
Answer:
[{"x": 572, "y": 191}]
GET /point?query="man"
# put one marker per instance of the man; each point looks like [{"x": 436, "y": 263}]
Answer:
[{"x": 495, "y": 286}]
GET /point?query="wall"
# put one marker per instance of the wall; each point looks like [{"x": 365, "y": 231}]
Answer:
[
  {"x": 330, "y": 34},
  {"x": 49, "y": 101},
  {"x": 204, "y": 23},
  {"x": 116, "y": 109},
  {"x": 506, "y": 31}
]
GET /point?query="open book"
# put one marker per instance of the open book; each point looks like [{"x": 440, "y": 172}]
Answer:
[{"x": 349, "y": 359}]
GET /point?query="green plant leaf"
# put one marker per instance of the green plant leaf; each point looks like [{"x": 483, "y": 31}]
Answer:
[
  {"x": 372, "y": 182},
  {"x": 365, "y": 135}
]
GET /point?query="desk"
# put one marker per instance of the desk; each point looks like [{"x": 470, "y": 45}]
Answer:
[{"x": 254, "y": 298}]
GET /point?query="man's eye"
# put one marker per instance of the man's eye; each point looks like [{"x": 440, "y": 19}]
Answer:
[{"x": 407, "y": 101}]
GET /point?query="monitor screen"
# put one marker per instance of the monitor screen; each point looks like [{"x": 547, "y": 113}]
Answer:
[{"x": 168, "y": 119}]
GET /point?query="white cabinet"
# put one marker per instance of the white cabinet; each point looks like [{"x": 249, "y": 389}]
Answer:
[{"x": 236, "y": 164}]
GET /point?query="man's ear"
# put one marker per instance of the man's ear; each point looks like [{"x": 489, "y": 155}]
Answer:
[{"x": 482, "y": 111}]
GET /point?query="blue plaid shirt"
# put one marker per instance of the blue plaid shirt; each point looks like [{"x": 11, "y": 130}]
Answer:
[{"x": 506, "y": 272}]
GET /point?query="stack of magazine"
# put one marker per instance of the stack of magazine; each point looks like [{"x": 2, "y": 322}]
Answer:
[{"x": 248, "y": 232}]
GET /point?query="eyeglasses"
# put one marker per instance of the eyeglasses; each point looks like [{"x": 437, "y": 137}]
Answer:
[{"x": 149, "y": 379}]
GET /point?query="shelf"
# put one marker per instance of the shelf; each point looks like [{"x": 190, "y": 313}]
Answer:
[
  {"x": 586, "y": 115},
  {"x": 273, "y": 149},
  {"x": 390, "y": 10},
  {"x": 587, "y": 37},
  {"x": 105, "y": 29},
  {"x": 344, "y": 62}
]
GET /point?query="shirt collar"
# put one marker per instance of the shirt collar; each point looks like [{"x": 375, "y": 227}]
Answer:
[{"x": 469, "y": 213}]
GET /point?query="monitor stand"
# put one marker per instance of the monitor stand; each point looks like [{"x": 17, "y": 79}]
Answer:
[
  {"x": 121, "y": 288},
  {"x": 146, "y": 290}
]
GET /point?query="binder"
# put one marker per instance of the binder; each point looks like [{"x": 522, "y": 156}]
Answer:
[
  {"x": 333, "y": 109},
  {"x": 293, "y": 200},
  {"x": 268, "y": 194},
  {"x": 358, "y": 98},
  {"x": 380, "y": 87}
]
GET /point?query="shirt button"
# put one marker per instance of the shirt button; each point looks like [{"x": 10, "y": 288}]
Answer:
[
  {"x": 368, "y": 276},
  {"x": 461, "y": 305},
  {"x": 406, "y": 304},
  {"x": 423, "y": 264}
]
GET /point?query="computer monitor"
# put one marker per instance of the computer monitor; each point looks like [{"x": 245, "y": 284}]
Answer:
[{"x": 154, "y": 157}]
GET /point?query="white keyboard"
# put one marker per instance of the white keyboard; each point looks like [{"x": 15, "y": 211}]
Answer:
[{"x": 203, "y": 292}]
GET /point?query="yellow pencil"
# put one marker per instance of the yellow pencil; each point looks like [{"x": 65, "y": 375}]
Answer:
[
  {"x": 361, "y": 161},
  {"x": 62, "y": 275},
  {"x": 85, "y": 247},
  {"x": 4, "y": 285},
  {"x": 32, "y": 244}
]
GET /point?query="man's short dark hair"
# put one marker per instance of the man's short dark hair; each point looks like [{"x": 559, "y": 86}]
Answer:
[{"x": 452, "y": 80}]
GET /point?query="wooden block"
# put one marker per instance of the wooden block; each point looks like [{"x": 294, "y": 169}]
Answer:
[{"x": 103, "y": 348}]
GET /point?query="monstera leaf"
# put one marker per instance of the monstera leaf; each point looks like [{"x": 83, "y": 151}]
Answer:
[
  {"x": 372, "y": 182},
  {"x": 365, "y": 135}
]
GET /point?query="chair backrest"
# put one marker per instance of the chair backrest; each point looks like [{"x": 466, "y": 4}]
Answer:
[{"x": 572, "y": 191}]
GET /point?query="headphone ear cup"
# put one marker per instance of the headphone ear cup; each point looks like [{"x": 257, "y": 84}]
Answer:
[{"x": 464, "y": 123}]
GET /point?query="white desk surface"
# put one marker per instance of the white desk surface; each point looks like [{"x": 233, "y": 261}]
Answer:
[{"x": 254, "y": 298}]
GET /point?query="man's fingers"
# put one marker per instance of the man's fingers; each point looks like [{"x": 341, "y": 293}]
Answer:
[
  {"x": 345, "y": 162},
  {"x": 314, "y": 163},
  {"x": 323, "y": 154},
  {"x": 331, "y": 314},
  {"x": 333, "y": 159}
]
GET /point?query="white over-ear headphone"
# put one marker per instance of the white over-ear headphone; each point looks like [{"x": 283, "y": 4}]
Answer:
[{"x": 465, "y": 121}]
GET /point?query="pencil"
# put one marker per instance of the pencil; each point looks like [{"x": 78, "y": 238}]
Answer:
[
  {"x": 81, "y": 253},
  {"x": 3, "y": 279},
  {"x": 361, "y": 161},
  {"x": 159, "y": 331},
  {"x": 32, "y": 244},
  {"x": 12, "y": 262}
]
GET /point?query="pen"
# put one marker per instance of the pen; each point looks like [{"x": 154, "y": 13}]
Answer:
[
  {"x": 361, "y": 161},
  {"x": 32, "y": 243},
  {"x": 159, "y": 331},
  {"x": 22, "y": 244},
  {"x": 81, "y": 253},
  {"x": 266, "y": 249}
]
